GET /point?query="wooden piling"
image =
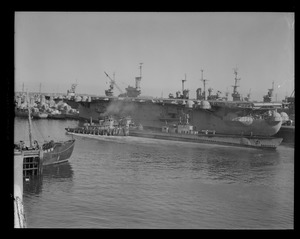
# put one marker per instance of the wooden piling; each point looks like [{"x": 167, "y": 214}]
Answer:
[{"x": 32, "y": 162}]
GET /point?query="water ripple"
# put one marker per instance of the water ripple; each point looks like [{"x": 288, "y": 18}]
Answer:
[{"x": 146, "y": 183}]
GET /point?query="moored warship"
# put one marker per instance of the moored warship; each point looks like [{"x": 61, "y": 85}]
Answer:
[{"x": 236, "y": 117}]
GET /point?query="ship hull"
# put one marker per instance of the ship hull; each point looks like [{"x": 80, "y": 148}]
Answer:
[
  {"x": 56, "y": 116},
  {"x": 21, "y": 113},
  {"x": 227, "y": 140},
  {"x": 218, "y": 122},
  {"x": 105, "y": 132},
  {"x": 72, "y": 103},
  {"x": 59, "y": 153},
  {"x": 155, "y": 115},
  {"x": 72, "y": 116},
  {"x": 40, "y": 115},
  {"x": 230, "y": 140}
]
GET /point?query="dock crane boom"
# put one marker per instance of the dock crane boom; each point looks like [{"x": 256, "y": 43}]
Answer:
[{"x": 113, "y": 82}]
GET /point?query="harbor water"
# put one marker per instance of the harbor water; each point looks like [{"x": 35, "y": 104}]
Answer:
[{"x": 128, "y": 182}]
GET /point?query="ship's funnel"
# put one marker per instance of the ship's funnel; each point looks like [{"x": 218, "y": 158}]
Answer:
[
  {"x": 138, "y": 82},
  {"x": 185, "y": 94},
  {"x": 199, "y": 94}
]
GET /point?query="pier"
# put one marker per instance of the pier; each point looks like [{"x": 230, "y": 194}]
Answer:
[
  {"x": 32, "y": 162},
  {"x": 19, "y": 217},
  {"x": 27, "y": 163}
]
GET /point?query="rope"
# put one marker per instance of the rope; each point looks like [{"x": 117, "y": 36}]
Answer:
[{"x": 37, "y": 130}]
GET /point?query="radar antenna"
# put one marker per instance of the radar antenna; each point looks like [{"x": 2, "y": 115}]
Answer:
[{"x": 235, "y": 86}]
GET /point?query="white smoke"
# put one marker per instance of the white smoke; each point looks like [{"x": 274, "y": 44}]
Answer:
[{"x": 119, "y": 108}]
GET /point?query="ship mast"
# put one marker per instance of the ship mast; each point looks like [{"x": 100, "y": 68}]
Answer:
[
  {"x": 271, "y": 90},
  {"x": 235, "y": 86},
  {"x": 183, "y": 83},
  {"x": 235, "y": 95},
  {"x": 138, "y": 79},
  {"x": 204, "y": 82},
  {"x": 29, "y": 121},
  {"x": 141, "y": 70}
]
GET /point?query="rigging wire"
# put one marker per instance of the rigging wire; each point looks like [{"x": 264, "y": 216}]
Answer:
[
  {"x": 25, "y": 133},
  {"x": 37, "y": 130}
]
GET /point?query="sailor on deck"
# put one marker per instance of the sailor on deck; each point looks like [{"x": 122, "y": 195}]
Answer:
[{"x": 36, "y": 145}]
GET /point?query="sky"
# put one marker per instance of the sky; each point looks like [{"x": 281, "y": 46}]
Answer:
[{"x": 55, "y": 49}]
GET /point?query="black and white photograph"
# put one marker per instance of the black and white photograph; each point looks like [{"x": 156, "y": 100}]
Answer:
[{"x": 154, "y": 120}]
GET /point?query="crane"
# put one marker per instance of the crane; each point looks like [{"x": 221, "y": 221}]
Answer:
[{"x": 113, "y": 82}]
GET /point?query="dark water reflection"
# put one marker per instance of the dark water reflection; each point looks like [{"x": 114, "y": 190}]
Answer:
[{"x": 53, "y": 174}]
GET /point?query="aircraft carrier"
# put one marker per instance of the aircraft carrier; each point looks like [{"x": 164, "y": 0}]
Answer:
[{"x": 207, "y": 112}]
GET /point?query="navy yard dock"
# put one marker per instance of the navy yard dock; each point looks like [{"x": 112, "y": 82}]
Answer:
[
  {"x": 32, "y": 163},
  {"x": 19, "y": 216},
  {"x": 27, "y": 163}
]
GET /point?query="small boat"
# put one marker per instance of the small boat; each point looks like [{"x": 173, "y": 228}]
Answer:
[
  {"x": 108, "y": 127},
  {"x": 23, "y": 113},
  {"x": 57, "y": 152},
  {"x": 56, "y": 116},
  {"x": 50, "y": 152},
  {"x": 39, "y": 115},
  {"x": 74, "y": 116}
]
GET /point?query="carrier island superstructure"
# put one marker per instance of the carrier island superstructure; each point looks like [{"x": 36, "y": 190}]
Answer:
[{"x": 206, "y": 112}]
